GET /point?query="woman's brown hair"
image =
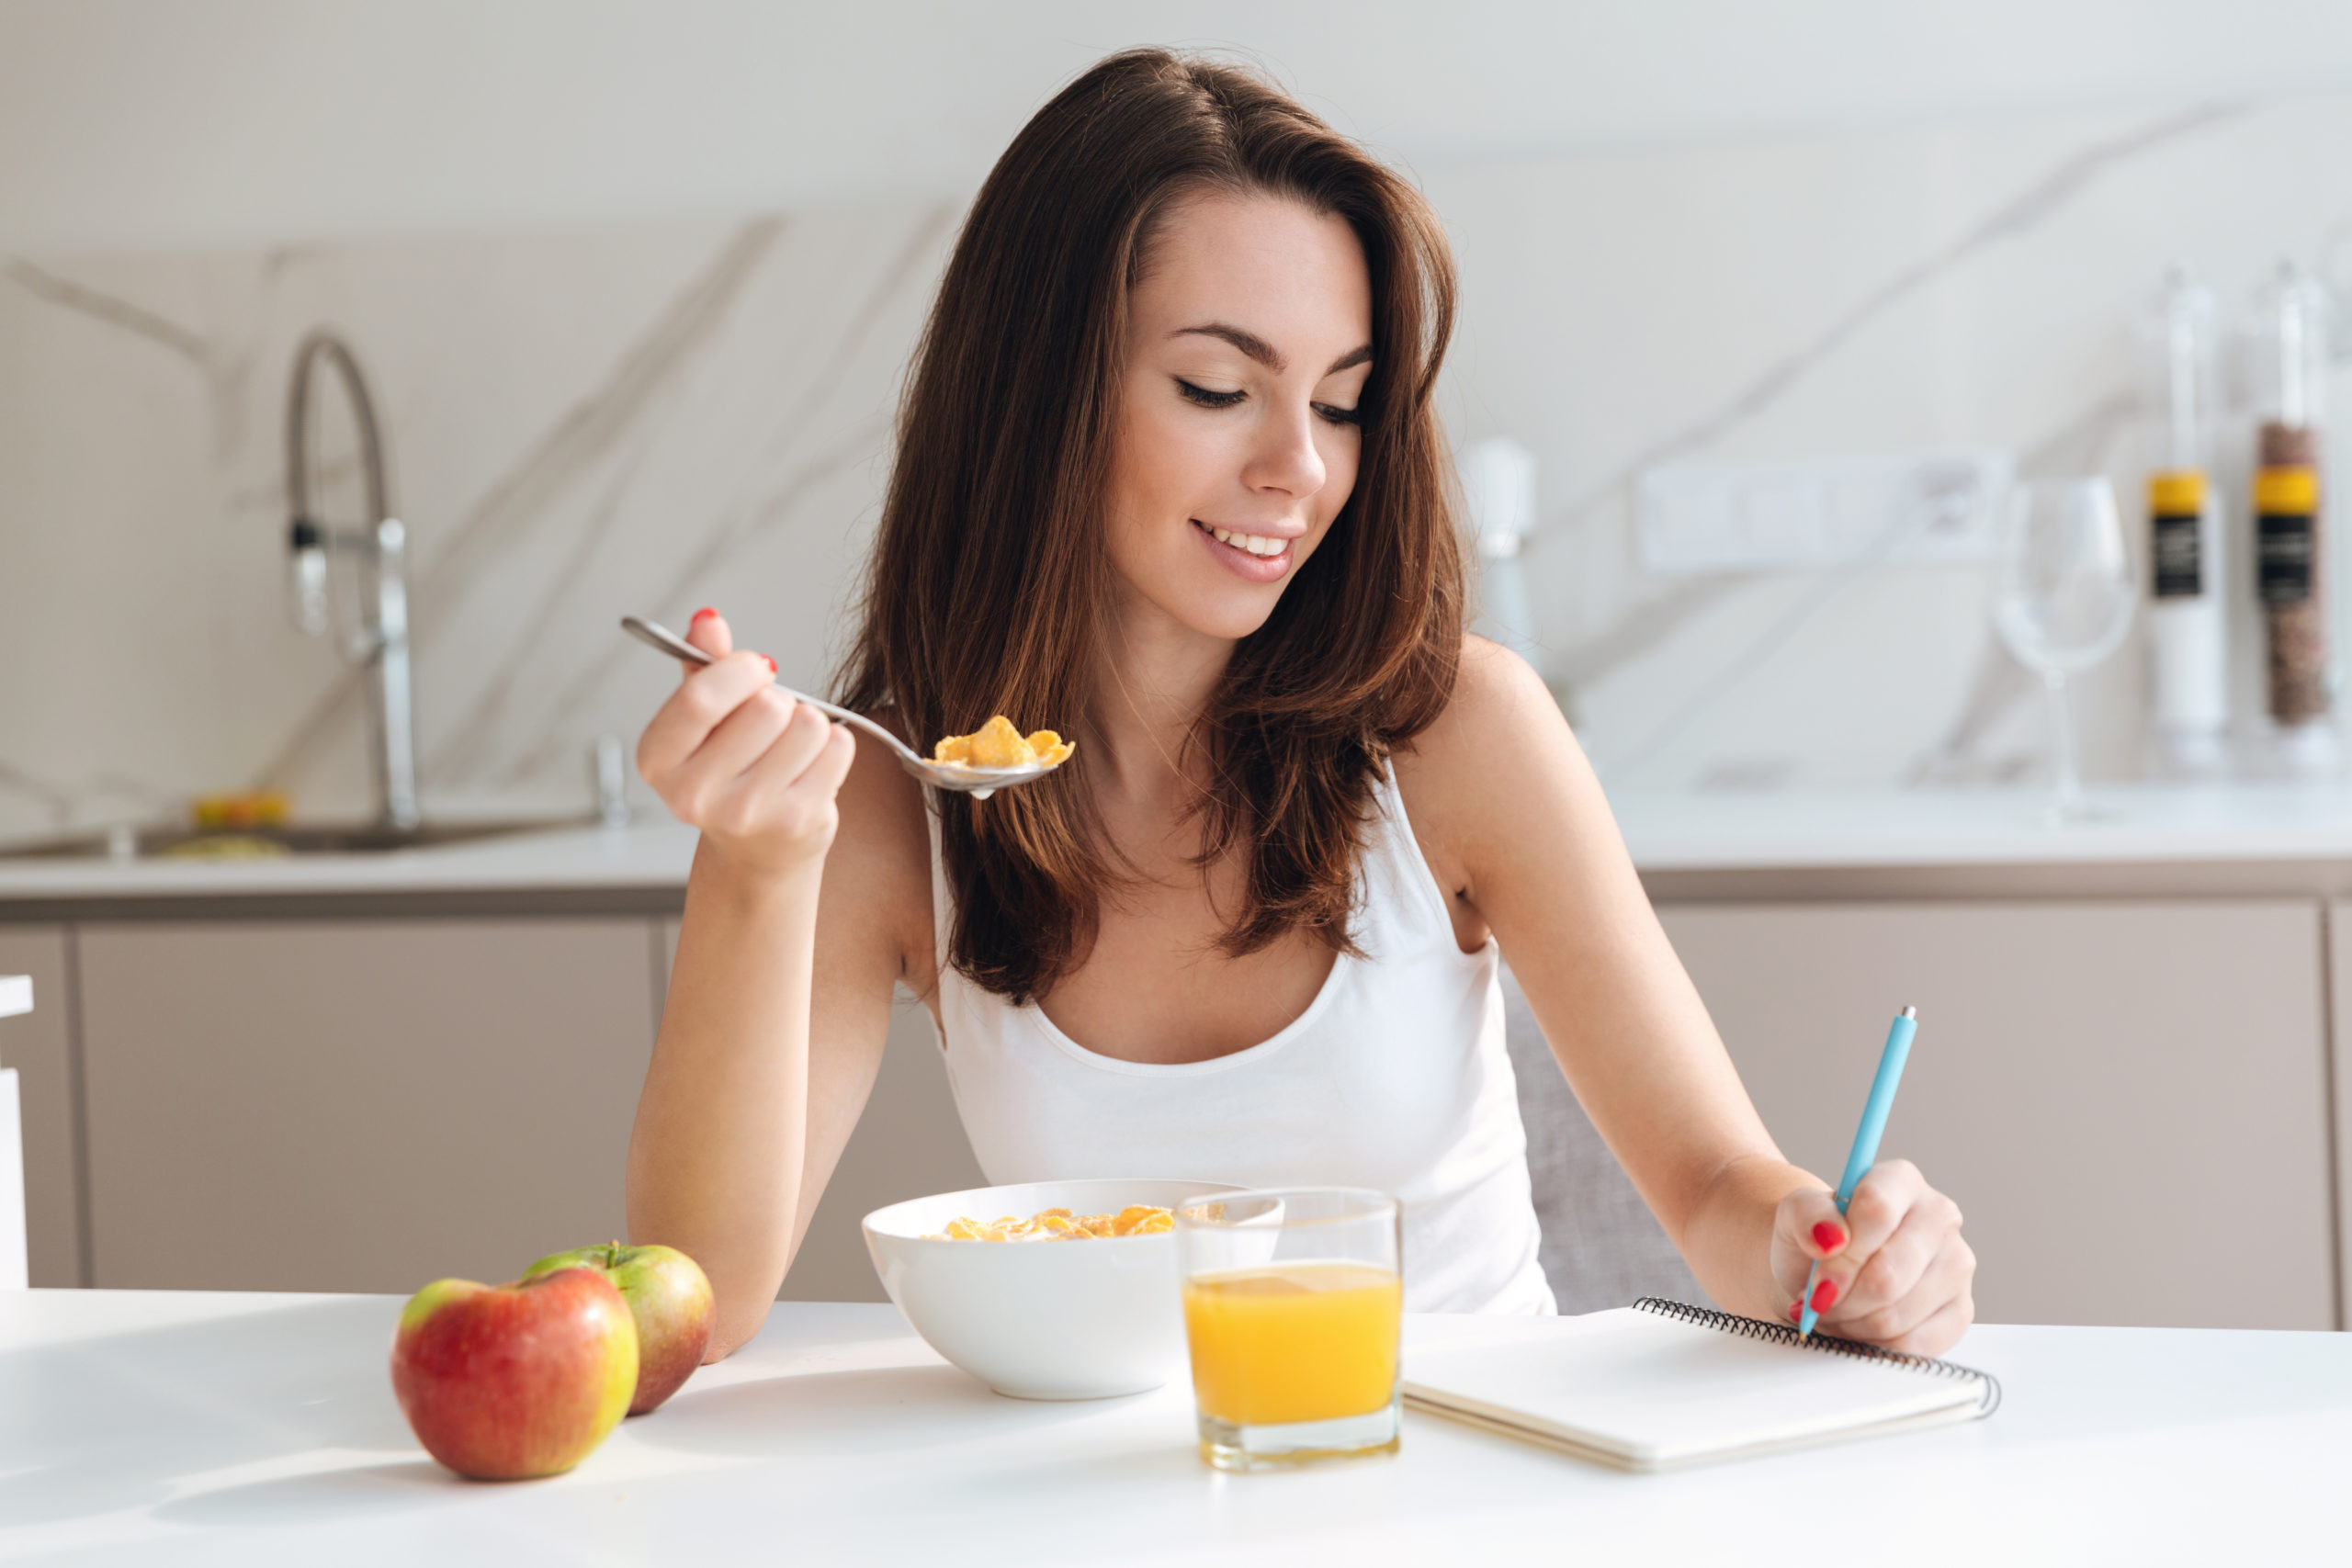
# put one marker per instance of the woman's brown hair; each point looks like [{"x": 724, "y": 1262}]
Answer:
[{"x": 989, "y": 581}]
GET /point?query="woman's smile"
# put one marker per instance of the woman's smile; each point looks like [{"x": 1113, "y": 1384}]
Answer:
[{"x": 1255, "y": 557}]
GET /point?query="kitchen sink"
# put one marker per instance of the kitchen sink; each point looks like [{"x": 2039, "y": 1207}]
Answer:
[{"x": 269, "y": 843}]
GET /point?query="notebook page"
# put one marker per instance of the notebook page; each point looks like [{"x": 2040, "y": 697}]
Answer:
[{"x": 1657, "y": 1390}]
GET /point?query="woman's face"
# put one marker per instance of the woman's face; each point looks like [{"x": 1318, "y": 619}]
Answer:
[{"x": 1248, "y": 343}]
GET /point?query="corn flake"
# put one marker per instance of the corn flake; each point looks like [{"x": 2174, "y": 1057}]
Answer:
[{"x": 997, "y": 744}]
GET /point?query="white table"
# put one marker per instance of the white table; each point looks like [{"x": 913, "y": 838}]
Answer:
[{"x": 260, "y": 1430}]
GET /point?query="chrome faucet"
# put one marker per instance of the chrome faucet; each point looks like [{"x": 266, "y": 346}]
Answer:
[{"x": 380, "y": 550}]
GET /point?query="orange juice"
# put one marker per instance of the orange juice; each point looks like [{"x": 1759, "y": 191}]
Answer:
[{"x": 1293, "y": 1341}]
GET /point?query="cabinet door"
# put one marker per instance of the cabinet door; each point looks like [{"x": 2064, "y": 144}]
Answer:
[
  {"x": 908, "y": 1143},
  {"x": 352, "y": 1105},
  {"x": 2339, "y": 990},
  {"x": 39, "y": 1045},
  {"x": 2127, "y": 1099}
]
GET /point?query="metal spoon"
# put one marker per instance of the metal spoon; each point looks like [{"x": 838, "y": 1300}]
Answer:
[{"x": 977, "y": 782}]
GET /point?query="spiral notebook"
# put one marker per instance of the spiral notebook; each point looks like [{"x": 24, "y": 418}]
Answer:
[{"x": 1659, "y": 1384}]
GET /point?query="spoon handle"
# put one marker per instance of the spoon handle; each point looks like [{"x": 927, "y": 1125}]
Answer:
[{"x": 676, "y": 646}]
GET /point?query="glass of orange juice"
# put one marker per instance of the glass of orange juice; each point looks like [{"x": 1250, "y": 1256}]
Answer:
[{"x": 1292, "y": 1299}]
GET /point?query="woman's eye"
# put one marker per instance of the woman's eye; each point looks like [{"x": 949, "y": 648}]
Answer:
[
  {"x": 1339, "y": 415},
  {"x": 1205, "y": 398}
]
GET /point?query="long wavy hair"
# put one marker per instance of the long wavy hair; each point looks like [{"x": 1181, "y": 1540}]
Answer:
[{"x": 989, "y": 585}]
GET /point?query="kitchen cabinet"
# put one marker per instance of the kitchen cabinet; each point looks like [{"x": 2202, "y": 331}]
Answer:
[
  {"x": 909, "y": 1144},
  {"x": 2129, "y": 1095},
  {"x": 40, "y": 1046},
  {"x": 358, "y": 1104},
  {"x": 2129, "y": 1098}
]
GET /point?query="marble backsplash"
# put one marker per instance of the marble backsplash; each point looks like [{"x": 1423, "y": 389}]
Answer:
[{"x": 652, "y": 417}]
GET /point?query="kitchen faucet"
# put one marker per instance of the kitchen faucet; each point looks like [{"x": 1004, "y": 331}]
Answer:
[{"x": 380, "y": 548}]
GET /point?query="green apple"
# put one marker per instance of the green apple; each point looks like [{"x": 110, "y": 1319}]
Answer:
[
  {"x": 669, "y": 1296},
  {"x": 503, "y": 1381}
]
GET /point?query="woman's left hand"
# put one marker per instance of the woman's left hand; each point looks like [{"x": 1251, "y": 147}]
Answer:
[{"x": 1895, "y": 1270}]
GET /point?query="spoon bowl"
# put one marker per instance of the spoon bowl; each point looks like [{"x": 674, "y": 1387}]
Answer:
[{"x": 961, "y": 778}]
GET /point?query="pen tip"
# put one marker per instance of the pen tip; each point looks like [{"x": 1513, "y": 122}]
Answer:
[{"x": 1911, "y": 1013}]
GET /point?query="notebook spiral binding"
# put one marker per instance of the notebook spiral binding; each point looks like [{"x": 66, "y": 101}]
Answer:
[{"x": 1786, "y": 1334}]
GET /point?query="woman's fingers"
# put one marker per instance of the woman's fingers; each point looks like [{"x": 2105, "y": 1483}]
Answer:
[
  {"x": 1880, "y": 1199},
  {"x": 1947, "y": 1275},
  {"x": 734, "y": 755},
  {"x": 789, "y": 794},
  {"x": 750, "y": 797},
  {"x": 1941, "y": 1330},
  {"x": 1904, "y": 1261},
  {"x": 735, "y": 746},
  {"x": 824, "y": 774},
  {"x": 1920, "y": 1268},
  {"x": 702, "y": 702},
  {"x": 1806, "y": 1228},
  {"x": 709, "y": 631}
]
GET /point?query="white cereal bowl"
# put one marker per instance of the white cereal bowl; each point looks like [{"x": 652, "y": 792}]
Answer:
[{"x": 1046, "y": 1319}]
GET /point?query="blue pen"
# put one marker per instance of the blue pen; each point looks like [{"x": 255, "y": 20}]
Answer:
[{"x": 1866, "y": 1137}]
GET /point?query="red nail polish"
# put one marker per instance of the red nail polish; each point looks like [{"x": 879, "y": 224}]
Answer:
[
  {"x": 1828, "y": 1237},
  {"x": 702, "y": 613},
  {"x": 1795, "y": 1309},
  {"x": 1825, "y": 1295},
  {"x": 769, "y": 662}
]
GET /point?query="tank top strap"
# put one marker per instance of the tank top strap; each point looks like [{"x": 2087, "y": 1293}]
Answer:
[
  {"x": 1400, "y": 905},
  {"x": 942, "y": 911}
]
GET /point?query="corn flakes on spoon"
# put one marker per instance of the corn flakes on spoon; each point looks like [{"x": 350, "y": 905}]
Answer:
[{"x": 967, "y": 762}]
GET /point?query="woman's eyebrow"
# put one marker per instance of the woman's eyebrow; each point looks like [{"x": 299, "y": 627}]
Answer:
[
  {"x": 1265, "y": 352},
  {"x": 1248, "y": 343}
]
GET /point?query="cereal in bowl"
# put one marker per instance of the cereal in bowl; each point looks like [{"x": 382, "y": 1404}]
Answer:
[{"x": 1059, "y": 1224}]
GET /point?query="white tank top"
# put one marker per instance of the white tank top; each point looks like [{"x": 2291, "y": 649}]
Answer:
[{"x": 1395, "y": 1078}]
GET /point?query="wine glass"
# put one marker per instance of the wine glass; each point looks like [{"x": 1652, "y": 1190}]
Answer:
[{"x": 2065, "y": 600}]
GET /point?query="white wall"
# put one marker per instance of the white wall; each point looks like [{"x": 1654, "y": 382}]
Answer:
[
  {"x": 1930, "y": 235},
  {"x": 171, "y": 123}
]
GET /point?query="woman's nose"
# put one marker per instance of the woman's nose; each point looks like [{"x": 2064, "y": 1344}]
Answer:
[{"x": 1286, "y": 457}]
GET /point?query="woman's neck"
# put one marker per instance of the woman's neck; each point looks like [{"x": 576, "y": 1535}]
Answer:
[{"x": 1156, "y": 679}]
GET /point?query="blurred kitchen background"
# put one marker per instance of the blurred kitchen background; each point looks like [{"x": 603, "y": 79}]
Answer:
[{"x": 1767, "y": 301}]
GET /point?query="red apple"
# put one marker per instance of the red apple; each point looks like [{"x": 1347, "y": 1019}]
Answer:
[
  {"x": 669, "y": 1296},
  {"x": 501, "y": 1382}
]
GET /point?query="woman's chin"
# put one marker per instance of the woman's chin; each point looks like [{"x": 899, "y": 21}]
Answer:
[{"x": 1217, "y": 611}]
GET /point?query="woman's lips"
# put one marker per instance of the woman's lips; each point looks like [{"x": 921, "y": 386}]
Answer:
[{"x": 1241, "y": 562}]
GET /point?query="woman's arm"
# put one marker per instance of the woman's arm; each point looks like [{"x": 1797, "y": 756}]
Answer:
[
  {"x": 761, "y": 1067},
  {"x": 1515, "y": 824}
]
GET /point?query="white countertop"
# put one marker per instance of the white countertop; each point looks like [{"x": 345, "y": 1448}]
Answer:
[
  {"x": 1732, "y": 830},
  {"x": 1725, "y": 831},
  {"x": 654, "y": 855},
  {"x": 255, "y": 1430}
]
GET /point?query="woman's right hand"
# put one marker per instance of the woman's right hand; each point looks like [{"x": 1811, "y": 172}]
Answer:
[{"x": 731, "y": 754}]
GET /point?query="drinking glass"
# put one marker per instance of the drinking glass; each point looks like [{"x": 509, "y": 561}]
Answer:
[
  {"x": 1292, "y": 1301},
  {"x": 2065, "y": 600}
]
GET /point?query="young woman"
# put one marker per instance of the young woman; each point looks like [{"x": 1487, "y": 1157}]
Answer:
[{"x": 1168, "y": 480}]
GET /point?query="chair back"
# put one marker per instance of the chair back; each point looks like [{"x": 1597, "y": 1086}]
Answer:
[{"x": 1602, "y": 1247}]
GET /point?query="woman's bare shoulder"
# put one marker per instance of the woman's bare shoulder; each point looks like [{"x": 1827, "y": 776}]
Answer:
[
  {"x": 1495, "y": 693},
  {"x": 1498, "y": 732},
  {"x": 1499, "y": 707},
  {"x": 877, "y": 874}
]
